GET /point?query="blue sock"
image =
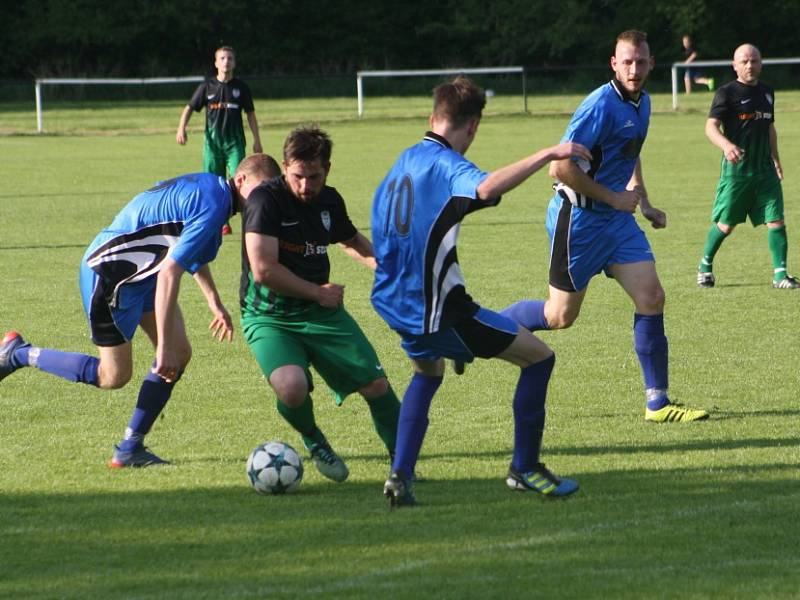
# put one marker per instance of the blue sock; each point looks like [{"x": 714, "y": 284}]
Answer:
[
  {"x": 72, "y": 366},
  {"x": 527, "y": 313},
  {"x": 529, "y": 413},
  {"x": 153, "y": 396},
  {"x": 653, "y": 352},
  {"x": 413, "y": 422}
]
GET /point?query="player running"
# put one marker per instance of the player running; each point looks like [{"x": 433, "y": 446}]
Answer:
[
  {"x": 419, "y": 290},
  {"x": 592, "y": 228},
  {"x": 130, "y": 276}
]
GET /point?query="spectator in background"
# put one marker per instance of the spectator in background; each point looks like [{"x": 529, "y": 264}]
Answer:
[
  {"x": 692, "y": 75},
  {"x": 225, "y": 97}
]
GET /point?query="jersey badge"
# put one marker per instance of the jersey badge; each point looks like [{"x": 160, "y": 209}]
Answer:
[
  {"x": 326, "y": 219},
  {"x": 629, "y": 123},
  {"x": 235, "y": 92}
]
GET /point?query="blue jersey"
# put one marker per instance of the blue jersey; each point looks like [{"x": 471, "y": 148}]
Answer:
[
  {"x": 613, "y": 126},
  {"x": 181, "y": 218},
  {"x": 416, "y": 215}
]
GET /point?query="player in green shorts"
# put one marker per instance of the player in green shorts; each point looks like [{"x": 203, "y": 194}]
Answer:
[
  {"x": 225, "y": 97},
  {"x": 292, "y": 315},
  {"x": 742, "y": 124}
]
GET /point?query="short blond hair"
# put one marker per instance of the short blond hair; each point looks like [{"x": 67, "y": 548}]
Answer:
[
  {"x": 224, "y": 49},
  {"x": 259, "y": 165}
]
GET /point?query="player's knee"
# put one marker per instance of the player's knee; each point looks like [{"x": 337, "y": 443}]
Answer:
[
  {"x": 561, "y": 319},
  {"x": 726, "y": 229},
  {"x": 375, "y": 388},
  {"x": 292, "y": 398},
  {"x": 113, "y": 379},
  {"x": 290, "y": 386},
  {"x": 651, "y": 300}
]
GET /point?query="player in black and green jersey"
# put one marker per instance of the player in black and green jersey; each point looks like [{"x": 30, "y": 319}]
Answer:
[
  {"x": 292, "y": 315},
  {"x": 742, "y": 124},
  {"x": 225, "y": 97}
]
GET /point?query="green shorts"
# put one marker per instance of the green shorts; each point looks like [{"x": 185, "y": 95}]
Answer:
[
  {"x": 329, "y": 340},
  {"x": 759, "y": 197},
  {"x": 222, "y": 161}
]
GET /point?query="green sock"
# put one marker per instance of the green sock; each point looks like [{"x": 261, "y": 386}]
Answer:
[
  {"x": 778, "y": 246},
  {"x": 301, "y": 418},
  {"x": 385, "y": 413},
  {"x": 714, "y": 240}
]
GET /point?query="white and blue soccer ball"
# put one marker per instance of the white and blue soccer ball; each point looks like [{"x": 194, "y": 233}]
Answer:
[{"x": 274, "y": 468}]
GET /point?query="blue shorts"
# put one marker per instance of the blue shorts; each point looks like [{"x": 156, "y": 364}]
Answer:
[
  {"x": 485, "y": 335},
  {"x": 113, "y": 325},
  {"x": 584, "y": 242}
]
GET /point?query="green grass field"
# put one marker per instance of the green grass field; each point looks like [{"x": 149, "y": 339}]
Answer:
[{"x": 686, "y": 511}]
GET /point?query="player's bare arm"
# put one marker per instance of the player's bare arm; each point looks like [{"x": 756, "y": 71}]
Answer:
[
  {"x": 507, "y": 178},
  {"x": 221, "y": 326},
  {"x": 181, "y": 136},
  {"x": 166, "y": 310},
  {"x": 253, "y": 123},
  {"x": 773, "y": 145},
  {"x": 569, "y": 173},
  {"x": 262, "y": 254},
  {"x": 657, "y": 218},
  {"x": 359, "y": 248},
  {"x": 714, "y": 133}
]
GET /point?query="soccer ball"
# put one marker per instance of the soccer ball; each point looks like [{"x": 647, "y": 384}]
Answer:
[{"x": 274, "y": 468}]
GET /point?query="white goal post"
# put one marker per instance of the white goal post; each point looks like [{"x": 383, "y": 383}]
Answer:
[
  {"x": 717, "y": 63},
  {"x": 111, "y": 81},
  {"x": 361, "y": 75}
]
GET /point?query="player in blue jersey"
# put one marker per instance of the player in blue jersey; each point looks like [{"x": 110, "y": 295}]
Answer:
[
  {"x": 419, "y": 290},
  {"x": 130, "y": 276},
  {"x": 592, "y": 228}
]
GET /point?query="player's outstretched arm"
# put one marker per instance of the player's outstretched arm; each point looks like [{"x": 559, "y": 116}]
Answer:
[
  {"x": 507, "y": 178},
  {"x": 262, "y": 254},
  {"x": 359, "y": 248},
  {"x": 221, "y": 326},
  {"x": 181, "y": 135}
]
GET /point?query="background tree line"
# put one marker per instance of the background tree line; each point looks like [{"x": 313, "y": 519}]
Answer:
[{"x": 141, "y": 38}]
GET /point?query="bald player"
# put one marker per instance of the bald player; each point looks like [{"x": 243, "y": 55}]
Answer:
[{"x": 741, "y": 123}]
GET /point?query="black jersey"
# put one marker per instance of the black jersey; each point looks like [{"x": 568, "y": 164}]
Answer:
[
  {"x": 304, "y": 231},
  {"x": 746, "y": 112},
  {"x": 224, "y": 102}
]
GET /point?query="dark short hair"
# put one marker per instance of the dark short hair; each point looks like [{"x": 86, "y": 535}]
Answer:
[
  {"x": 307, "y": 143},
  {"x": 262, "y": 165},
  {"x": 458, "y": 101},
  {"x": 633, "y": 36}
]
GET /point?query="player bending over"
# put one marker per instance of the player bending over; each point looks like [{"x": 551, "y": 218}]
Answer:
[{"x": 130, "y": 276}]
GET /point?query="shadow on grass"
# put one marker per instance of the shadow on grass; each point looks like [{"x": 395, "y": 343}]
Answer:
[
  {"x": 655, "y": 448},
  {"x": 469, "y": 538}
]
